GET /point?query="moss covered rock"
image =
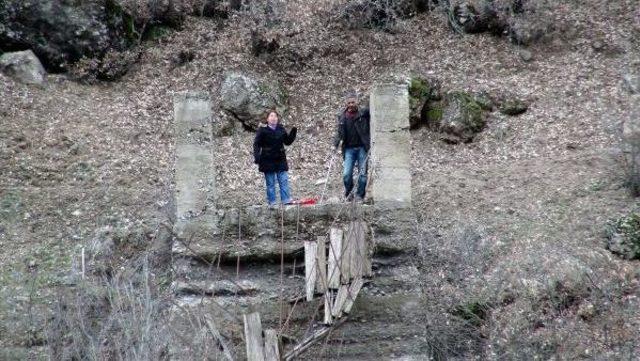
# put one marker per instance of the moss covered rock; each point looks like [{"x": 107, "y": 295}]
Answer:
[
  {"x": 623, "y": 236},
  {"x": 462, "y": 118},
  {"x": 433, "y": 114},
  {"x": 513, "y": 107},
  {"x": 419, "y": 91},
  {"x": 484, "y": 100},
  {"x": 423, "y": 95}
]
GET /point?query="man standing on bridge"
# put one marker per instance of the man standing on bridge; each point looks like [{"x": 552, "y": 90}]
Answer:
[{"x": 353, "y": 132}]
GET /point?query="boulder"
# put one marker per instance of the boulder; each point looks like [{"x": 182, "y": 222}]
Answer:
[
  {"x": 523, "y": 22},
  {"x": 248, "y": 99},
  {"x": 476, "y": 16},
  {"x": 525, "y": 55},
  {"x": 23, "y": 66},
  {"x": 462, "y": 118},
  {"x": 623, "y": 236},
  {"x": 59, "y": 32}
]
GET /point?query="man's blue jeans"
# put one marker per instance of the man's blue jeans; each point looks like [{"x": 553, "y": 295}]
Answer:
[
  {"x": 351, "y": 157},
  {"x": 283, "y": 181}
]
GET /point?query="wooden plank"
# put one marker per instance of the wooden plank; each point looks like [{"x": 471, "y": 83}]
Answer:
[
  {"x": 347, "y": 254},
  {"x": 310, "y": 268},
  {"x": 361, "y": 263},
  {"x": 328, "y": 302},
  {"x": 321, "y": 265},
  {"x": 341, "y": 298},
  {"x": 216, "y": 334},
  {"x": 353, "y": 254},
  {"x": 367, "y": 244},
  {"x": 335, "y": 254},
  {"x": 362, "y": 250},
  {"x": 253, "y": 337},
  {"x": 271, "y": 345},
  {"x": 311, "y": 340},
  {"x": 367, "y": 268},
  {"x": 354, "y": 289}
]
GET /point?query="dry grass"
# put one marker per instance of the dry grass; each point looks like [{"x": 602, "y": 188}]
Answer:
[{"x": 129, "y": 315}]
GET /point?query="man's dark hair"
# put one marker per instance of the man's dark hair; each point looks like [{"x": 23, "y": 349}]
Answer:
[{"x": 352, "y": 94}]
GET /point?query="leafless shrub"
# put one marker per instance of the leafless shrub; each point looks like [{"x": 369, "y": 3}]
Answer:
[
  {"x": 113, "y": 318},
  {"x": 456, "y": 308},
  {"x": 215, "y": 8},
  {"x": 594, "y": 321},
  {"x": 125, "y": 317},
  {"x": 543, "y": 303},
  {"x": 378, "y": 14},
  {"x": 447, "y": 335},
  {"x": 112, "y": 66},
  {"x": 465, "y": 253},
  {"x": 145, "y": 13}
]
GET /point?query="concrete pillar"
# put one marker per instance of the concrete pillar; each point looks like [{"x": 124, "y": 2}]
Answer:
[
  {"x": 391, "y": 146},
  {"x": 194, "y": 166}
]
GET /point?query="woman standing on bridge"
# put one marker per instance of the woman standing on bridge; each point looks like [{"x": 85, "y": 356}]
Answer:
[{"x": 270, "y": 155}]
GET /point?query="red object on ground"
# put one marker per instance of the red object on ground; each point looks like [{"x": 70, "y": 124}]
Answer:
[{"x": 306, "y": 201}]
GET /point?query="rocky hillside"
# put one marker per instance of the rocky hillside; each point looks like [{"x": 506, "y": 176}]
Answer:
[{"x": 513, "y": 216}]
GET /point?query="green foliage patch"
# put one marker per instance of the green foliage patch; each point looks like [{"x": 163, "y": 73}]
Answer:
[
  {"x": 472, "y": 110},
  {"x": 623, "y": 235}
]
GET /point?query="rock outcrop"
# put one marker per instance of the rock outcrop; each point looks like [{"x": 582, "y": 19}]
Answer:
[
  {"x": 23, "y": 66},
  {"x": 248, "y": 99},
  {"x": 423, "y": 95},
  {"x": 521, "y": 20},
  {"x": 62, "y": 32},
  {"x": 623, "y": 237},
  {"x": 58, "y": 32},
  {"x": 462, "y": 118}
]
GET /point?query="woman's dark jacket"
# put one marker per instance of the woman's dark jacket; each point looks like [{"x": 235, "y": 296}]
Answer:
[{"x": 268, "y": 148}]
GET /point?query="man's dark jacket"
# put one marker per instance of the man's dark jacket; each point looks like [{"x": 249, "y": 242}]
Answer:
[
  {"x": 360, "y": 124},
  {"x": 268, "y": 148}
]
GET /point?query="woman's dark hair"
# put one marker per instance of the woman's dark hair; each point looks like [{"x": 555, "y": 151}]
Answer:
[{"x": 269, "y": 112}]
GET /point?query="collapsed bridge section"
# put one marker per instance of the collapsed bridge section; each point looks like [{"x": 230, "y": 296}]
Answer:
[{"x": 236, "y": 262}]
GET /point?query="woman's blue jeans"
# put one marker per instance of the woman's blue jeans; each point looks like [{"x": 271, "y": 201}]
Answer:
[
  {"x": 351, "y": 157},
  {"x": 283, "y": 181}
]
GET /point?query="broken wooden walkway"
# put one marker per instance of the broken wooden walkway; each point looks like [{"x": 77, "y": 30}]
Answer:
[{"x": 335, "y": 269}]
